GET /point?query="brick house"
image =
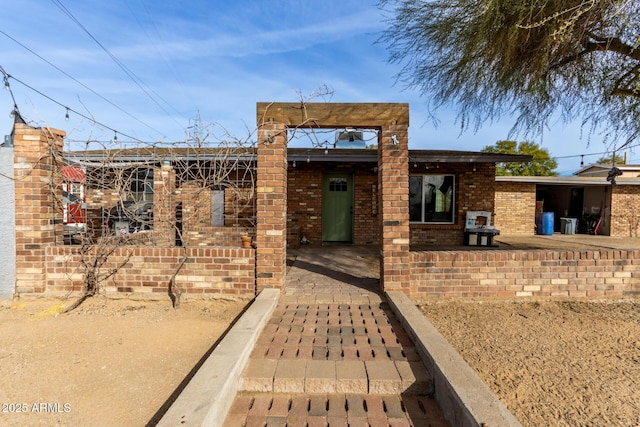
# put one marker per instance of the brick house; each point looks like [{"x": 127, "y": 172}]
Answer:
[
  {"x": 334, "y": 197},
  {"x": 409, "y": 203}
]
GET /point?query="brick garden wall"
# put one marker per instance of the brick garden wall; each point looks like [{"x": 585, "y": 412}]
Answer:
[
  {"x": 515, "y": 207},
  {"x": 208, "y": 271},
  {"x": 497, "y": 273}
]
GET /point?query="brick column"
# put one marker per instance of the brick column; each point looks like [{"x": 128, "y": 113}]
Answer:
[
  {"x": 271, "y": 206},
  {"x": 37, "y": 212},
  {"x": 393, "y": 180},
  {"x": 164, "y": 205}
]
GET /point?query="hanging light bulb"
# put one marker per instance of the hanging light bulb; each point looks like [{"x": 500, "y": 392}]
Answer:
[
  {"x": 294, "y": 163},
  {"x": 581, "y": 160},
  {"x": 326, "y": 151},
  {"x": 308, "y": 159},
  {"x": 415, "y": 165},
  {"x": 6, "y": 83},
  {"x": 66, "y": 116},
  {"x": 115, "y": 136}
]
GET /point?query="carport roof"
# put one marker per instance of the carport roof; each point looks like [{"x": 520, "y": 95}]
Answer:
[{"x": 568, "y": 180}]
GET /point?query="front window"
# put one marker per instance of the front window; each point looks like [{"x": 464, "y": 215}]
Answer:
[{"x": 431, "y": 198}]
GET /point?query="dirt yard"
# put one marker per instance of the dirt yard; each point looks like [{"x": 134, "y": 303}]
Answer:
[
  {"x": 110, "y": 362},
  {"x": 551, "y": 362}
]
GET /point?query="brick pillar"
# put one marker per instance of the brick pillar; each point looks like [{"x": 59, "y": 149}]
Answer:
[
  {"x": 393, "y": 180},
  {"x": 271, "y": 206},
  {"x": 164, "y": 205},
  {"x": 37, "y": 212}
]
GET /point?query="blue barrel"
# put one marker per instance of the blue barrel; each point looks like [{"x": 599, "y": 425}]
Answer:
[{"x": 544, "y": 223}]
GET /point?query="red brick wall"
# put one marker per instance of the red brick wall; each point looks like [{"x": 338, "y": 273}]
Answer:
[
  {"x": 208, "y": 271},
  {"x": 473, "y": 192},
  {"x": 515, "y": 207},
  {"x": 524, "y": 273}
]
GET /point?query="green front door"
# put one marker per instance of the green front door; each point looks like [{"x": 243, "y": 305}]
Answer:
[{"x": 337, "y": 208}]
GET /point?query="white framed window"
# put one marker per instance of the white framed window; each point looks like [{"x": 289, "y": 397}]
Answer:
[{"x": 432, "y": 199}]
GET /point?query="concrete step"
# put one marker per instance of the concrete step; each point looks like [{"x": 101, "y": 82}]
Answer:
[
  {"x": 334, "y": 409},
  {"x": 340, "y": 376}
]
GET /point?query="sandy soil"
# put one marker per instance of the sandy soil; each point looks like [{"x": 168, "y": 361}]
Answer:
[
  {"x": 110, "y": 362},
  {"x": 551, "y": 362}
]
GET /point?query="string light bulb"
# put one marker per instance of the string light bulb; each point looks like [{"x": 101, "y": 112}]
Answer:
[
  {"x": 66, "y": 115},
  {"x": 308, "y": 159},
  {"x": 6, "y": 83},
  {"x": 294, "y": 163},
  {"x": 115, "y": 136}
]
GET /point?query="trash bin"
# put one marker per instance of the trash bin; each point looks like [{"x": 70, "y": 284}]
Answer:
[
  {"x": 568, "y": 225},
  {"x": 544, "y": 223}
]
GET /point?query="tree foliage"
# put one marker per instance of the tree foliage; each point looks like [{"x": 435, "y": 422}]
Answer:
[
  {"x": 537, "y": 59},
  {"x": 541, "y": 164},
  {"x": 609, "y": 160}
]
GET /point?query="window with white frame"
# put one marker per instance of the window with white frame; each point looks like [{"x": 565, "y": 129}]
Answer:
[{"x": 431, "y": 198}]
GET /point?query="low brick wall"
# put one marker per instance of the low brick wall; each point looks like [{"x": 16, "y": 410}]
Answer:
[
  {"x": 524, "y": 273},
  {"x": 208, "y": 270}
]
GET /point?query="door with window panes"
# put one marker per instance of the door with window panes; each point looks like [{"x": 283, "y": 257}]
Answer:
[{"x": 337, "y": 208}]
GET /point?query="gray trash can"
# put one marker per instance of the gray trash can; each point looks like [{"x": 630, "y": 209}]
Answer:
[{"x": 568, "y": 225}]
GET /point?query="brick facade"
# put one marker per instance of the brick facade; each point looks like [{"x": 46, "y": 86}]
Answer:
[
  {"x": 531, "y": 273},
  {"x": 304, "y": 201},
  {"x": 625, "y": 211},
  {"x": 473, "y": 192},
  {"x": 515, "y": 207}
]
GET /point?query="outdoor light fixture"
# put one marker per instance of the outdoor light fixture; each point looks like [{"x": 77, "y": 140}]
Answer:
[
  {"x": 294, "y": 164},
  {"x": 66, "y": 115},
  {"x": 115, "y": 136},
  {"x": 308, "y": 159},
  {"x": 6, "y": 83}
]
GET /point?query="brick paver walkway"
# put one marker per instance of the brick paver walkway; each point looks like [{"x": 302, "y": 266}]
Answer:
[{"x": 333, "y": 354}]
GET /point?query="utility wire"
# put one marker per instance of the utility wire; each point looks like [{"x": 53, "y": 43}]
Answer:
[
  {"x": 119, "y": 63},
  {"x": 81, "y": 84},
  {"x": 91, "y": 119}
]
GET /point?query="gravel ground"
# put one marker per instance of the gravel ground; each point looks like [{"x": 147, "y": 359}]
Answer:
[
  {"x": 109, "y": 363},
  {"x": 551, "y": 362}
]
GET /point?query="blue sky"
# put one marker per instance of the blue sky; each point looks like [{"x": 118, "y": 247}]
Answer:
[{"x": 217, "y": 58}]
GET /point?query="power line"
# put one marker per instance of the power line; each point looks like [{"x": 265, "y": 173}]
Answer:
[
  {"x": 137, "y": 80},
  {"x": 7, "y": 76},
  {"x": 81, "y": 84}
]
